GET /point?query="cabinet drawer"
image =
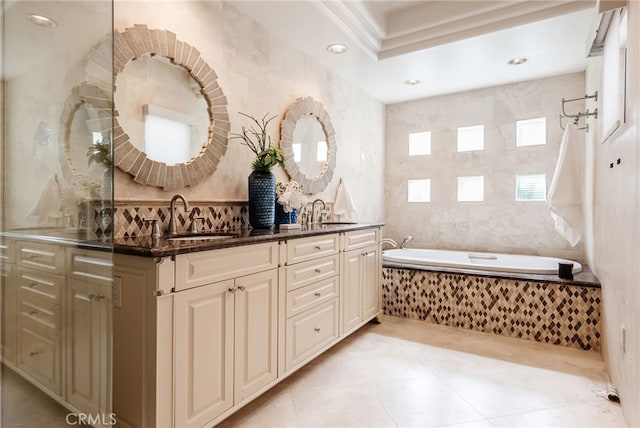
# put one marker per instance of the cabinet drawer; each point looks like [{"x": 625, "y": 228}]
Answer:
[
  {"x": 44, "y": 257},
  {"x": 305, "y": 273},
  {"x": 39, "y": 355},
  {"x": 207, "y": 267},
  {"x": 310, "y": 332},
  {"x": 360, "y": 238},
  {"x": 31, "y": 282},
  {"x": 91, "y": 266},
  {"x": 314, "y": 294},
  {"x": 7, "y": 251},
  {"x": 40, "y": 311},
  {"x": 300, "y": 250}
]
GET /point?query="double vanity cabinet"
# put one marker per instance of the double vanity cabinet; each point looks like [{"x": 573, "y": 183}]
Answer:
[
  {"x": 201, "y": 332},
  {"x": 56, "y": 306}
]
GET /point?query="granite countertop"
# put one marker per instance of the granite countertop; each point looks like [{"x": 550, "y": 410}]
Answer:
[
  {"x": 70, "y": 236},
  {"x": 147, "y": 247}
]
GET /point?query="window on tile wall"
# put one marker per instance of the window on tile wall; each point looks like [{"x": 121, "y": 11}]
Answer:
[
  {"x": 531, "y": 132},
  {"x": 471, "y": 138},
  {"x": 471, "y": 189},
  {"x": 420, "y": 143},
  {"x": 419, "y": 190},
  {"x": 531, "y": 187}
]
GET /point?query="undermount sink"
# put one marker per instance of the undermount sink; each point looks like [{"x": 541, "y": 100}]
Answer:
[{"x": 203, "y": 237}]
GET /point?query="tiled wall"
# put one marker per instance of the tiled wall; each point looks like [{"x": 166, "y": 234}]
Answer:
[
  {"x": 560, "y": 314},
  {"x": 218, "y": 216}
]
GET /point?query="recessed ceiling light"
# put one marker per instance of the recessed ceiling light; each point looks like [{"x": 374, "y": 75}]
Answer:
[
  {"x": 411, "y": 82},
  {"x": 42, "y": 21},
  {"x": 518, "y": 60},
  {"x": 337, "y": 48}
]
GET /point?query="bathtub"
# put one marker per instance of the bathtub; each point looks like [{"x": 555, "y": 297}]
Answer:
[{"x": 495, "y": 262}]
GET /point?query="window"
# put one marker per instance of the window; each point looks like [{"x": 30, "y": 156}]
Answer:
[
  {"x": 321, "y": 151},
  {"x": 531, "y": 132},
  {"x": 471, "y": 189},
  {"x": 420, "y": 143},
  {"x": 166, "y": 140},
  {"x": 419, "y": 190},
  {"x": 531, "y": 187},
  {"x": 471, "y": 138},
  {"x": 297, "y": 151}
]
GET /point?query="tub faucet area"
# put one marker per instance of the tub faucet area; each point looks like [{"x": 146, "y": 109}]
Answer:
[
  {"x": 173, "y": 229},
  {"x": 405, "y": 241},
  {"x": 389, "y": 241}
]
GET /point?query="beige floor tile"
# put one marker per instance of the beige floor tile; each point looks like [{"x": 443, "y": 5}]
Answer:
[
  {"x": 353, "y": 406},
  {"x": 333, "y": 371},
  {"x": 273, "y": 409},
  {"x": 595, "y": 414},
  {"x": 423, "y": 402}
]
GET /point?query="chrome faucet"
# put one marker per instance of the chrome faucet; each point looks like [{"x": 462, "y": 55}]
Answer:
[
  {"x": 389, "y": 241},
  {"x": 313, "y": 209},
  {"x": 405, "y": 241},
  {"x": 173, "y": 229}
]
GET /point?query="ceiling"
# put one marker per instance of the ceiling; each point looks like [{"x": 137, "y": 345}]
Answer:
[{"x": 449, "y": 45}]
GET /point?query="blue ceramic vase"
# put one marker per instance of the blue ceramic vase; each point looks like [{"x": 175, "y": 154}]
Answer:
[
  {"x": 285, "y": 218},
  {"x": 262, "y": 199}
]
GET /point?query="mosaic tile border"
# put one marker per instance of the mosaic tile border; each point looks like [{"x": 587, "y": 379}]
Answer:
[
  {"x": 129, "y": 216},
  {"x": 555, "y": 313}
]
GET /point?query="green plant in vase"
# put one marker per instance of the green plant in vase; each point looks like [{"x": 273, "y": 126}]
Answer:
[{"x": 261, "y": 182}]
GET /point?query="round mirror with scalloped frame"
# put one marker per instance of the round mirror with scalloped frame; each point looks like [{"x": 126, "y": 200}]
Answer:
[
  {"x": 201, "y": 147},
  {"x": 308, "y": 141}
]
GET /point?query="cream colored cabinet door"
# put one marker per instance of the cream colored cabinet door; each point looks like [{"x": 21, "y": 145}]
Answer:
[
  {"x": 86, "y": 345},
  {"x": 9, "y": 311},
  {"x": 256, "y": 329},
  {"x": 361, "y": 296},
  {"x": 203, "y": 370},
  {"x": 370, "y": 282},
  {"x": 352, "y": 290}
]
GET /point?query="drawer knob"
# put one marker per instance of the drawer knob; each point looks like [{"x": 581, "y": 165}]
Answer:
[
  {"x": 33, "y": 313},
  {"x": 317, "y": 294},
  {"x": 318, "y": 271},
  {"x": 242, "y": 287},
  {"x": 318, "y": 247},
  {"x": 317, "y": 330},
  {"x": 32, "y": 284},
  {"x": 96, "y": 297},
  {"x": 33, "y": 354}
]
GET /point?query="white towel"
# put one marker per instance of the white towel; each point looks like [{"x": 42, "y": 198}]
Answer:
[
  {"x": 565, "y": 193},
  {"x": 343, "y": 206}
]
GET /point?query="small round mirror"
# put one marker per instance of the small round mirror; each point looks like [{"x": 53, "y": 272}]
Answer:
[{"x": 309, "y": 145}]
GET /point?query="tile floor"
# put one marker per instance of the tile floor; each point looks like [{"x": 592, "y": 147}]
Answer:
[{"x": 405, "y": 373}]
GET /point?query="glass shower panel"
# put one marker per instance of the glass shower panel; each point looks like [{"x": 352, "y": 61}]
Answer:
[{"x": 56, "y": 249}]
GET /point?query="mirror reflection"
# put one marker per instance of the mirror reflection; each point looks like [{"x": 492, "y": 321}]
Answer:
[
  {"x": 310, "y": 146},
  {"x": 169, "y": 122},
  {"x": 84, "y": 129}
]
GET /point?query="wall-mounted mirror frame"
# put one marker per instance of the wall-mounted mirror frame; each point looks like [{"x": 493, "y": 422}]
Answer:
[
  {"x": 303, "y": 107},
  {"x": 132, "y": 43},
  {"x": 98, "y": 101}
]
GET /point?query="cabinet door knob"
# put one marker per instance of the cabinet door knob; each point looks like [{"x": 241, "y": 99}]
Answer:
[
  {"x": 232, "y": 290},
  {"x": 242, "y": 287},
  {"x": 317, "y": 330},
  {"x": 317, "y": 294}
]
